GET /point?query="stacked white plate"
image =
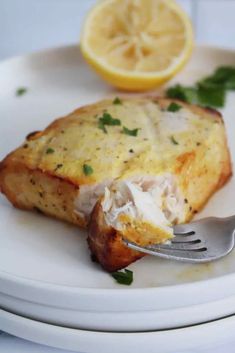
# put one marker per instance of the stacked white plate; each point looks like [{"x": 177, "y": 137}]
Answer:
[{"x": 50, "y": 291}]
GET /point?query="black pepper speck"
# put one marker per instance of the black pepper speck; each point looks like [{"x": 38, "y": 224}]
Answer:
[
  {"x": 32, "y": 182},
  {"x": 58, "y": 167}
]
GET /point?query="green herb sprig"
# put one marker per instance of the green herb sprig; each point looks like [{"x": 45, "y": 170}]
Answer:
[
  {"x": 125, "y": 278},
  {"x": 107, "y": 120},
  {"x": 129, "y": 132},
  {"x": 174, "y": 107},
  {"x": 209, "y": 91},
  {"x": 50, "y": 150},
  {"x": 223, "y": 77},
  {"x": 117, "y": 101},
  {"x": 21, "y": 91},
  {"x": 87, "y": 169}
]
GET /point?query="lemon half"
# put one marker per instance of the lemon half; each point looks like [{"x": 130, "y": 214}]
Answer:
[{"x": 137, "y": 44}]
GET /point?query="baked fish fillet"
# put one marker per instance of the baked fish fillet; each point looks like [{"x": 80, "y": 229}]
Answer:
[{"x": 123, "y": 170}]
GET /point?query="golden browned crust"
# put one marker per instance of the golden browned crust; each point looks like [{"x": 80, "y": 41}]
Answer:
[
  {"x": 106, "y": 244},
  {"x": 30, "y": 179},
  {"x": 37, "y": 190},
  {"x": 198, "y": 183}
]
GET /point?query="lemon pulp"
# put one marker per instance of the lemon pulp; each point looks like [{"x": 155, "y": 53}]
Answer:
[{"x": 137, "y": 44}]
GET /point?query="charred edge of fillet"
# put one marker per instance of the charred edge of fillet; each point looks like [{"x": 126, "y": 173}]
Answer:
[
  {"x": 32, "y": 135},
  {"x": 212, "y": 111},
  {"x": 106, "y": 243}
]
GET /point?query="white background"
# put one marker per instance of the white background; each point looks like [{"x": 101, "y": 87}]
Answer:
[{"x": 30, "y": 25}]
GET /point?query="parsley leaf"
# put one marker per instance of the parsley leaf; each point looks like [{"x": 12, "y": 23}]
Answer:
[
  {"x": 174, "y": 107},
  {"x": 173, "y": 140},
  {"x": 125, "y": 277},
  {"x": 101, "y": 126},
  {"x": 206, "y": 95},
  {"x": 21, "y": 91},
  {"x": 224, "y": 76},
  {"x": 209, "y": 91},
  {"x": 87, "y": 169},
  {"x": 50, "y": 150},
  {"x": 186, "y": 94},
  {"x": 117, "y": 101},
  {"x": 133, "y": 132},
  {"x": 211, "y": 96},
  {"x": 107, "y": 119}
]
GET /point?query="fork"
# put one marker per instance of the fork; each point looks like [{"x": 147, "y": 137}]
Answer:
[{"x": 200, "y": 241}]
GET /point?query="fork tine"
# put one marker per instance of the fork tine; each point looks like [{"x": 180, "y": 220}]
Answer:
[
  {"x": 181, "y": 229},
  {"x": 185, "y": 238},
  {"x": 182, "y": 255},
  {"x": 182, "y": 239},
  {"x": 200, "y": 241},
  {"x": 188, "y": 246}
]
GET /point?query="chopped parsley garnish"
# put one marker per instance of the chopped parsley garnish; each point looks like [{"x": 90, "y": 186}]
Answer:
[
  {"x": 186, "y": 94},
  {"x": 173, "y": 140},
  {"x": 117, "y": 101},
  {"x": 50, "y": 150},
  {"x": 125, "y": 277},
  {"x": 108, "y": 120},
  {"x": 209, "y": 91},
  {"x": 133, "y": 132},
  {"x": 101, "y": 126},
  {"x": 174, "y": 107},
  {"x": 211, "y": 96},
  {"x": 21, "y": 91},
  {"x": 200, "y": 94},
  {"x": 224, "y": 77},
  {"x": 87, "y": 169}
]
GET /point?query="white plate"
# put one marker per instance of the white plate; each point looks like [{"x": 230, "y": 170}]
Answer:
[
  {"x": 45, "y": 268},
  {"x": 190, "y": 339}
]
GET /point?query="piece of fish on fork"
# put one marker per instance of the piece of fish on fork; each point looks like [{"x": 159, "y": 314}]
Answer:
[{"x": 204, "y": 240}]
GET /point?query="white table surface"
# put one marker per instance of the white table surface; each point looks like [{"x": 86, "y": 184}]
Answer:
[{"x": 22, "y": 30}]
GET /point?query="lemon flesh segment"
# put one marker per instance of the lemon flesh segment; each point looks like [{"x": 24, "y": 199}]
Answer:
[{"x": 137, "y": 44}]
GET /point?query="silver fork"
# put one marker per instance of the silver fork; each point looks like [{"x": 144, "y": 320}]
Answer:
[{"x": 204, "y": 240}]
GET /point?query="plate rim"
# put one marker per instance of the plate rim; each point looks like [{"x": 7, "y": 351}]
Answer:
[
  {"x": 65, "y": 47},
  {"x": 116, "y": 299},
  {"x": 45, "y": 333},
  {"x": 20, "y": 280}
]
